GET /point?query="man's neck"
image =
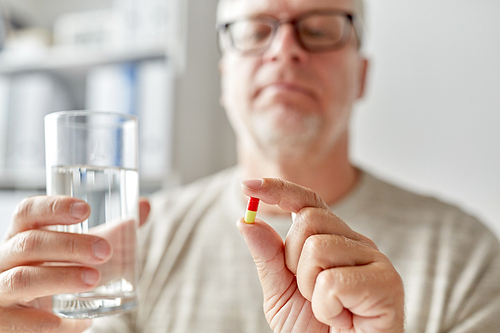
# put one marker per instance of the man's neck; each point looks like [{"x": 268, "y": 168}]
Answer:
[{"x": 332, "y": 176}]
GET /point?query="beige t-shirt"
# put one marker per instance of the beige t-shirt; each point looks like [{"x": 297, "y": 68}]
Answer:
[{"x": 198, "y": 275}]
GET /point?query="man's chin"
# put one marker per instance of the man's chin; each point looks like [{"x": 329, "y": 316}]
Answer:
[
  {"x": 287, "y": 120},
  {"x": 290, "y": 134}
]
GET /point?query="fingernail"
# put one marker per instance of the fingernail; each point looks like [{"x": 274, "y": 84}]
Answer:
[
  {"x": 90, "y": 276},
  {"x": 79, "y": 210},
  {"x": 101, "y": 249},
  {"x": 252, "y": 184}
]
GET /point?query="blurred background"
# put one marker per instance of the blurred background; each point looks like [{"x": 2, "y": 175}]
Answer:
[{"x": 429, "y": 120}]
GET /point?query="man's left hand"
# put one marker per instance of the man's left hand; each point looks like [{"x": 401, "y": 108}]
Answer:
[{"x": 325, "y": 277}]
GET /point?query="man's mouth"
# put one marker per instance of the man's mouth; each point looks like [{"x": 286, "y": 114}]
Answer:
[{"x": 286, "y": 88}]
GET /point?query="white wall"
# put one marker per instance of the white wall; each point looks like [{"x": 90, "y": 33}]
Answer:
[
  {"x": 431, "y": 117},
  {"x": 429, "y": 120},
  {"x": 204, "y": 141}
]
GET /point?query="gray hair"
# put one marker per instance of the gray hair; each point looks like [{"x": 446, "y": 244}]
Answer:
[
  {"x": 359, "y": 19},
  {"x": 359, "y": 8}
]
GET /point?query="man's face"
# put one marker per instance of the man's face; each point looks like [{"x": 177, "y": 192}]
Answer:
[{"x": 288, "y": 100}]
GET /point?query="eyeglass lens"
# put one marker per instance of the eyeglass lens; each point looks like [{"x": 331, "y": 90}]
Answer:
[{"x": 314, "y": 32}]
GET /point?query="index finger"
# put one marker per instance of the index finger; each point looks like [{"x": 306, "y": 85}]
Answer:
[
  {"x": 313, "y": 214},
  {"x": 39, "y": 211},
  {"x": 282, "y": 193}
]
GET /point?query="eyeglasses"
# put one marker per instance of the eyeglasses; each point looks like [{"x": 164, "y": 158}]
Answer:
[{"x": 315, "y": 31}]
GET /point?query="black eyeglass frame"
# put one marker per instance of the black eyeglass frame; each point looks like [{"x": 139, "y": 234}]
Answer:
[{"x": 224, "y": 27}]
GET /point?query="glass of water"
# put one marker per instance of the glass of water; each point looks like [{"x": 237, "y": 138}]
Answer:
[{"x": 93, "y": 156}]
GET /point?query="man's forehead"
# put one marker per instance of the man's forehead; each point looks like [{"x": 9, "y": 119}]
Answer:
[{"x": 230, "y": 9}]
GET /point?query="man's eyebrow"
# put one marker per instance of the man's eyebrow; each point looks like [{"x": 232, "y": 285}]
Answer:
[
  {"x": 253, "y": 16},
  {"x": 262, "y": 15}
]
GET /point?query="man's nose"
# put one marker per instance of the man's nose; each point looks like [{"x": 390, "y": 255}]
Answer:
[{"x": 285, "y": 47}]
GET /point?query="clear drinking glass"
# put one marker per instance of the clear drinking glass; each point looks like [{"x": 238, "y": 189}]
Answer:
[{"x": 93, "y": 156}]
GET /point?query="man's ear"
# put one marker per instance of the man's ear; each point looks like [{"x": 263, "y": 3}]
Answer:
[{"x": 363, "y": 73}]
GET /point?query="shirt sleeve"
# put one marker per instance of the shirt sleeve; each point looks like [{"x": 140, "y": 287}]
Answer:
[{"x": 476, "y": 298}]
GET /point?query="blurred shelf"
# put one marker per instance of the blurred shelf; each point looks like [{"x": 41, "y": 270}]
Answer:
[
  {"x": 28, "y": 180},
  {"x": 61, "y": 59},
  {"x": 35, "y": 181}
]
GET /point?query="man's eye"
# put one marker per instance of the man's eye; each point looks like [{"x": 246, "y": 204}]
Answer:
[
  {"x": 259, "y": 34},
  {"x": 314, "y": 33}
]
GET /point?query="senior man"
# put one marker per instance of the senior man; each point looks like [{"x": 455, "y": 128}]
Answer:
[{"x": 359, "y": 255}]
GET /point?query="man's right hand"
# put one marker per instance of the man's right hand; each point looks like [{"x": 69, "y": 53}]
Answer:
[
  {"x": 25, "y": 282},
  {"x": 26, "y": 278}
]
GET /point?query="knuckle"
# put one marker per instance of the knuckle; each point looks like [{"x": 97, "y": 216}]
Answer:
[
  {"x": 17, "y": 279},
  {"x": 367, "y": 242},
  {"x": 27, "y": 243},
  {"x": 324, "y": 278},
  {"x": 72, "y": 246},
  {"x": 316, "y": 199},
  {"x": 56, "y": 205},
  {"x": 281, "y": 184},
  {"x": 344, "y": 279},
  {"x": 24, "y": 209},
  {"x": 308, "y": 217},
  {"x": 389, "y": 276},
  {"x": 305, "y": 214},
  {"x": 328, "y": 281},
  {"x": 314, "y": 245},
  {"x": 347, "y": 243},
  {"x": 312, "y": 218}
]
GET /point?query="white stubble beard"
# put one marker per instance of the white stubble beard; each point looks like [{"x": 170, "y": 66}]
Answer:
[{"x": 287, "y": 139}]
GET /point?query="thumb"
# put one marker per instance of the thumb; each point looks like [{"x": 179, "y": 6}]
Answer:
[
  {"x": 144, "y": 209},
  {"x": 267, "y": 249}
]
